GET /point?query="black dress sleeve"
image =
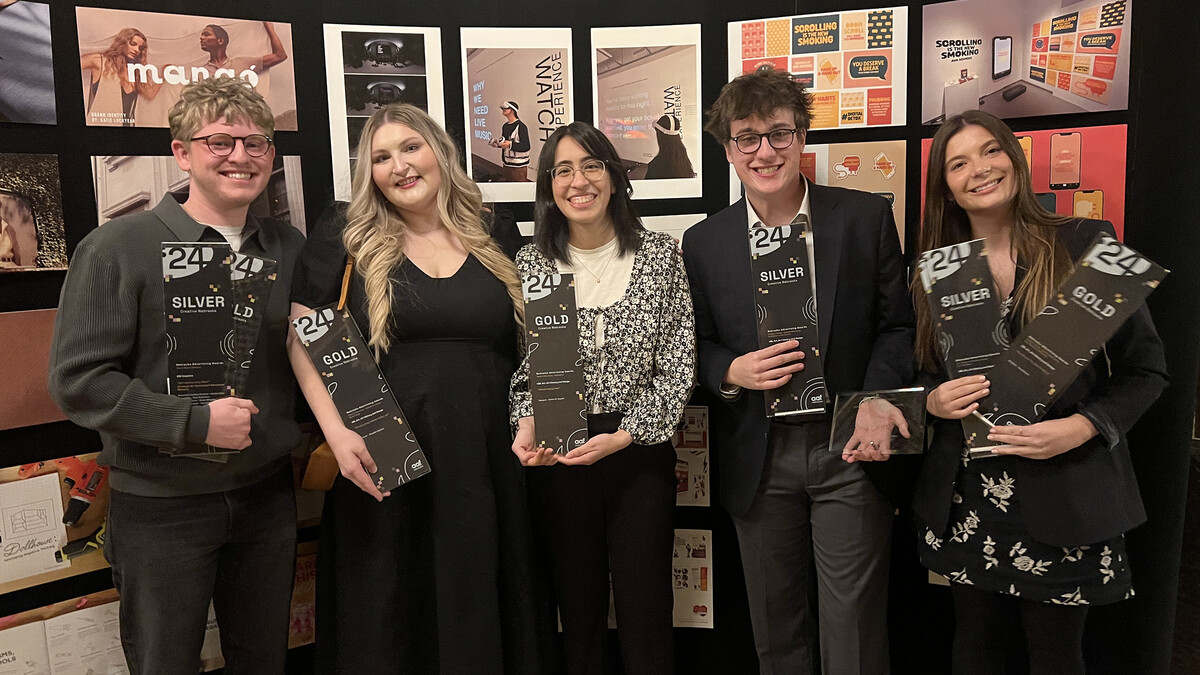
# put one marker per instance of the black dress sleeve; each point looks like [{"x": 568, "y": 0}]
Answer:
[
  {"x": 504, "y": 230},
  {"x": 318, "y": 277}
]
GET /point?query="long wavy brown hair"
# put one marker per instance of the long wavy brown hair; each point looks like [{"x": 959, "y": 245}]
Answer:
[
  {"x": 1045, "y": 260},
  {"x": 114, "y": 57},
  {"x": 375, "y": 230}
]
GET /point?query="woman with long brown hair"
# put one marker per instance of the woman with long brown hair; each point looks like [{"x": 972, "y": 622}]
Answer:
[
  {"x": 1031, "y": 536},
  {"x": 434, "y": 577},
  {"x": 113, "y": 94}
]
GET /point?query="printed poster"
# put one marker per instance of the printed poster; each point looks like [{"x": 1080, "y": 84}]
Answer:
[
  {"x": 26, "y": 64},
  {"x": 32, "y": 236},
  {"x": 368, "y": 67},
  {"x": 134, "y": 64},
  {"x": 1078, "y": 171},
  {"x": 132, "y": 183},
  {"x": 1037, "y": 57},
  {"x": 31, "y": 527},
  {"x": 518, "y": 90},
  {"x": 855, "y": 63},
  {"x": 691, "y": 579},
  {"x": 646, "y": 100},
  {"x": 692, "y": 469},
  {"x": 878, "y": 167},
  {"x": 83, "y": 501}
]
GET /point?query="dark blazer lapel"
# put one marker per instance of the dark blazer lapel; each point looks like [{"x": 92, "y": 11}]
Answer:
[
  {"x": 735, "y": 239},
  {"x": 827, "y": 244}
]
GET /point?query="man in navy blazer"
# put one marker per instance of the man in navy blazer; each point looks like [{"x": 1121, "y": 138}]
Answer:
[{"x": 794, "y": 500}]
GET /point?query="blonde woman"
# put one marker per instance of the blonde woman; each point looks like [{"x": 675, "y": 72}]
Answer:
[{"x": 435, "y": 576}]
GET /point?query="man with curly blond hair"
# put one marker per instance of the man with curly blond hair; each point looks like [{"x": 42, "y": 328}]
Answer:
[{"x": 183, "y": 532}]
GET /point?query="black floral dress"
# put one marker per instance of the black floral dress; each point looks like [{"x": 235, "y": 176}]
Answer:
[{"x": 988, "y": 546}]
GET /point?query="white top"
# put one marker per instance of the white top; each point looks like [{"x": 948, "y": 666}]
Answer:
[
  {"x": 752, "y": 216},
  {"x": 601, "y": 277},
  {"x": 234, "y": 235},
  {"x": 601, "y": 274}
]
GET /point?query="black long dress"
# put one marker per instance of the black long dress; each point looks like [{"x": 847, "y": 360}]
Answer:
[{"x": 437, "y": 578}]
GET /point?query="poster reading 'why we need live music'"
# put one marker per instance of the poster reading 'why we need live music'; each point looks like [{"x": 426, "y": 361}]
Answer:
[{"x": 854, "y": 63}]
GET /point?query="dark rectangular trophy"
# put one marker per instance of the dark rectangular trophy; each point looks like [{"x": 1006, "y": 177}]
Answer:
[
  {"x": 198, "y": 303},
  {"x": 963, "y": 304},
  {"x": 198, "y": 300},
  {"x": 1109, "y": 283},
  {"x": 555, "y": 369},
  {"x": 253, "y": 277},
  {"x": 362, "y": 397},
  {"x": 785, "y": 301},
  {"x": 971, "y": 332}
]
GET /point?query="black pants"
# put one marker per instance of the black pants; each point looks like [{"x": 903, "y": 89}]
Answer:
[
  {"x": 987, "y": 625},
  {"x": 615, "y": 514},
  {"x": 171, "y": 555}
]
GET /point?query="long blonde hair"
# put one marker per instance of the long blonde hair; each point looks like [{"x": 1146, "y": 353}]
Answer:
[
  {"x": 1034, "y": 230},
  {"x": 374, "y": 233}
]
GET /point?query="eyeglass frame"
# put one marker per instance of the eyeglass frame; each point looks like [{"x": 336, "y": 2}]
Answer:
[
  {"x": 575, "y": 170},
  {"x": 234, "y": 140},
  {"x": 757, "y": 146}
]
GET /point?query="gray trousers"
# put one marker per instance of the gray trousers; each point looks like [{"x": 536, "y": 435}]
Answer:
[{"x": 815, "y": 511}]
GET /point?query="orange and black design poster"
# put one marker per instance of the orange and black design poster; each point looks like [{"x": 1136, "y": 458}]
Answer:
[{"x": 855, "y": 63}]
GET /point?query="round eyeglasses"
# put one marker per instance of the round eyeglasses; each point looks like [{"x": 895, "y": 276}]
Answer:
[
  {"x": 780, "y": 139},
  {"x": 592, "y": 170},
  {"x": 222, "y": 145}
]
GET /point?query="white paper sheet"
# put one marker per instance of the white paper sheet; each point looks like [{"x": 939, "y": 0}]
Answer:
[
  {"x": 86, "y": 642},
  {"x": 31, "y": 527},
  {"x": 23, "y": 650}
]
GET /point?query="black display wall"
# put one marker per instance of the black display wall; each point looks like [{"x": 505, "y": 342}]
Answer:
[{"x": 1163, "y": 194}]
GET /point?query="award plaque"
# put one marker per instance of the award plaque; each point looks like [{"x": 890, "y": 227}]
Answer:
[
  {"x": 962, "y": 302},
  {"x": 555, "y": 368},
  {"x": 198, "y": 301},
  {"x": 252, "y": 278},
  {"x": 362, "y": 397},
  {"x": 971, "y": 332},
  {"x": 786, "y": 304},
  {"x": 1109, "y": 283},
  {"x": 876, "y": 407}
]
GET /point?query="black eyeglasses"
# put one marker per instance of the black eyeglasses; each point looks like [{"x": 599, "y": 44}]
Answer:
[
  {"x": 592, "y": 170},
  {"x": 222, "y": 145},
  {"x": 780, "y": 139}
]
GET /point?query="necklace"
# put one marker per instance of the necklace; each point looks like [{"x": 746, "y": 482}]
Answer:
[{"x": 604, "y": 257}]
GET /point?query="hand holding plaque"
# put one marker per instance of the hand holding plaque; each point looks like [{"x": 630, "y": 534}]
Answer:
[{"x": 785, "y": 301}]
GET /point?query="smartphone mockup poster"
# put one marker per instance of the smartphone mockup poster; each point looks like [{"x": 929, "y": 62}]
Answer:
[{"x": 1078, "y": 171}]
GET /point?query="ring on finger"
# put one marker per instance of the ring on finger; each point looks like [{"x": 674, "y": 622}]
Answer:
[{"x": 871, "y": 443}]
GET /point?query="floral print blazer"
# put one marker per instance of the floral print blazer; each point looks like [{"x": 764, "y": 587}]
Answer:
[{"x": 649, "y": 351}]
